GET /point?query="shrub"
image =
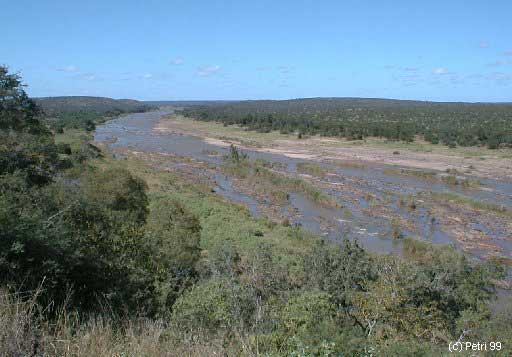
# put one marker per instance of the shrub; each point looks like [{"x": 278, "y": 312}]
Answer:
[{"x": 215, "y": 305}]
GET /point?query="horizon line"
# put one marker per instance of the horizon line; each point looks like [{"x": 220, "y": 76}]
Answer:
[{"x": 276, "y": 100}]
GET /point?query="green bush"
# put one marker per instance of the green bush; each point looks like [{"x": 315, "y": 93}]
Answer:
[
  {"x": 117, "y": 191},
  {"x": 216, "y": 305}
]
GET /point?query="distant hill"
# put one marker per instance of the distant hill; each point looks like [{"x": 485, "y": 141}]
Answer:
[
  {"x": 310, "y": 102},
  {"x": 56, "y": 105},
  {"x": 73, "y": 104},
  {"x": 67, "y": 104},
  {"x": 450, "y": 123},
  {"x": 187, "y": 103},
  {"x": 343, "y": 102},
  {"x": 317, "y": 102}
]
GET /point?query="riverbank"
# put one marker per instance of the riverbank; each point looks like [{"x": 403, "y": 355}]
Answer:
[{"x": 475, "y": 161}]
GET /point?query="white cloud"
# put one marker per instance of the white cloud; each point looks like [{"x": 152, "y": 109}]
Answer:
[
  {"x": 206, "y": 71},
  {"x": 68, "y": 68},
  {"x": 411, "y": 69},
  {"x": 412, "y": 76},
  {"x": 500, "y": 77},
  {"x": 409, "y": 78},
  {"x": 284, "y": 69},
  {"x": 147, "y": 76},
  {"x": 495, "y": 64},
  {"x": 177, "y": 61},
  {"x": 484, "y": 44},
  {"x": 263, "y": 68},
  {"x": 440, "y": 70}
]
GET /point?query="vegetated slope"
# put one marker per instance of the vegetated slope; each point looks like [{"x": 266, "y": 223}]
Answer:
[
  {"x": 85, "y": 112},
  {"x": 53, "y": 105},
  {"x": 465, "y": 124},
  {"x": 187, "y": 103}
]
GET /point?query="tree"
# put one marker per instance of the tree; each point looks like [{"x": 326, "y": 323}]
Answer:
[
  {"x": 25, "y": 142},
  {"x": 341, "y": 271},
  {"x": 117, "y": 191},
  {"x": 218, "y": 305},
  {"x": 18, "y": 113},
  {"x": 86, "y": 236}
]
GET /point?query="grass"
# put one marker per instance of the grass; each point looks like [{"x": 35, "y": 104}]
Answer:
[
  {"x": 506, "y": 261},
  {"x": 450, "y": 179},
  {"x": 425, "y": 175},
  {"x": 210, "y": 152},
  {"x": 396, "y": 229},
  {"x": 311, "y": 169},
  {"x": 243, "y": 142},
  {"x": 266, "y": 181},
  {"x": 229, "y": 133},
  {"x": 73, "y": 137},
  {"x": 347, "y": 164},
  {"x": 416, "y": 146},
  {"x": 279, "y": 195},
  {"x": 454, "y": 180},
  {"x": 422, "y": 146},
  {"x": 257, "y": 139},
  {"x": 407, "y": 201},
  {"x": 221, "y": 221},
  {"x": 26, "y": 332},
  {"x": 467, "y": 201}
]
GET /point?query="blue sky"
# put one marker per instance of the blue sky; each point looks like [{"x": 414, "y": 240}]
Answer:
[{"x": 447, "y": 50}]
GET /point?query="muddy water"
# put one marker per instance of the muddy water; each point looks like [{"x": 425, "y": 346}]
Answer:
[{"x": 369, "y": 197}]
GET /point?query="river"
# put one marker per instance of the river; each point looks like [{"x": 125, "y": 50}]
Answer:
[{"x": 372, "y": 197}]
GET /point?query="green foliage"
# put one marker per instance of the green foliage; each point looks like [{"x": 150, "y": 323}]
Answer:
[
  {"x": 264, "y": 179},
  {"x": 83, "y": 105},
  {"x": 25, "y": 143},
  {"x": 77, "y": 120},
  {"x": 310, "y": 317},
  {"x": 172, "y": 235},
  {"x": 476, "y": 204},
  {"x": 311, "y": 169},
  {"x": 452, "y": 124},
  {"x": 86, "y": 151},
  {"x": 235, "y": 155},
  {"x": 55, "y": 235},
  {"x": 396, "y": 229},
  {"x": 118, "y": 192},
  {"x": 216, "y": 305},
  {"x": 84, "y": 113},
  {"x": 340, "y": 271},
  {"x": 17, "y": 112},
  {"x": 84, "y": 237},
  {"x": 175, "y": 231},
  {"x": 433, "y": 296}
]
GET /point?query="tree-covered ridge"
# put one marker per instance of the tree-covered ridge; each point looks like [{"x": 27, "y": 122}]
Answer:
[
  {"x": 71, "y": 104},
  {"x": 186, "y": 103},
  {"x": 464, "y": 124},
  {"x": 85, "y": 112}
]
